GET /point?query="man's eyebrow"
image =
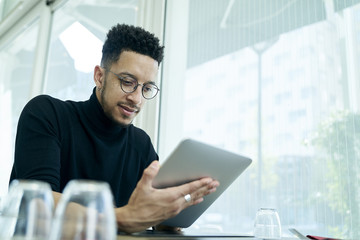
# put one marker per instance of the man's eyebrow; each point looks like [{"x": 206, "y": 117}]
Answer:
[{"x": 127, "y": 74}]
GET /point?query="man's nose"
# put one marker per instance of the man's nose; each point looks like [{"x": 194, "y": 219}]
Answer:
[{"x": 136, "y": 96}]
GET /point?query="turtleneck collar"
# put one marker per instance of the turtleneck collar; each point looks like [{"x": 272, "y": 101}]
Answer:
[{"x": 97, "y": 117}]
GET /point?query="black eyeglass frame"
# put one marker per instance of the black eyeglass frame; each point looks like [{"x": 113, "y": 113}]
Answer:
[{"x": 122, "y": 79}]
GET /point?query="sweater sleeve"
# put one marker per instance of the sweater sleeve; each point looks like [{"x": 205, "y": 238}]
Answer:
[
  {"x": 37, "y": 146},
  {"x": 143, "y": 142}
]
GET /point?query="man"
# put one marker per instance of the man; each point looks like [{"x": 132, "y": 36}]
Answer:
[{"x": 58, "y": 141}]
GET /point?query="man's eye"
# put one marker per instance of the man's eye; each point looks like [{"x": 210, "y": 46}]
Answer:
[
  {"x": 127, "y": 82},
  {"x": 148, "y": 88}
]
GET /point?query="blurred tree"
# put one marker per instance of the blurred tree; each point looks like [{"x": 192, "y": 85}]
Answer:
[{"x": 339, "y": 137}]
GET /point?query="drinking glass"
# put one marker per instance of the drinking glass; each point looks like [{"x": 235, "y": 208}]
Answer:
[
  {"x": 267, "y": 224},
  {"x": 27, "y": 211},
  {"x": 85, "y": 211}
]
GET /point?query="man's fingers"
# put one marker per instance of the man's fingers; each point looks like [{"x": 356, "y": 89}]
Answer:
[
  {"x": 193, "y": 192},
  {"x": 202, "y": 186},
  {"x": 149, "y": 173},
  {"x": 193, "y": 199}
]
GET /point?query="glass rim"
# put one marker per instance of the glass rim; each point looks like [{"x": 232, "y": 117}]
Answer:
[
  {"x": 266, "y": 208},
  {"x": 137, "y": 85},
  {"x": 29, "y": 184},
  {"x": 142, "y": 89},
  {"x": 84, "y": 185}
]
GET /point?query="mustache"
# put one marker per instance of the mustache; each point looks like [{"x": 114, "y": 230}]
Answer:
[{"x": 129, "y": 106}]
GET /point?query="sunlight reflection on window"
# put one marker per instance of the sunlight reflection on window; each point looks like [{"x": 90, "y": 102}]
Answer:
[{"x": 83, "y": 46}]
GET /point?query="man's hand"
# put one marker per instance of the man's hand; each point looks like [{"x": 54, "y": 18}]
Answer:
[{"x": 149, "y": 206}]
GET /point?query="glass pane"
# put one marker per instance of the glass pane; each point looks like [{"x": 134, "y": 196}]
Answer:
[
  {"x": 78, "y": 33},
  {"x": 277, "y": 81},
  {"x": 8, "y": 6},
  {"x": 17, "y": 59},
  {"x": 2, "y": 3}
]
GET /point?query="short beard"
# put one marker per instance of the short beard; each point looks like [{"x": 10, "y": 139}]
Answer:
[{"x": 102, "y": 97}]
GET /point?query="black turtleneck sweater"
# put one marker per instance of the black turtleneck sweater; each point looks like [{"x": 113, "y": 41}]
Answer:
[{"x": 58, "y": 141}]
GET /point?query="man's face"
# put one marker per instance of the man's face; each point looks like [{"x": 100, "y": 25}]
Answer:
[{"x": 119, "y": 106}]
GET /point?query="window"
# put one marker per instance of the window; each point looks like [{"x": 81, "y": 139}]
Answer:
[
  {"x": 305, "y": 159},
  {"x": 17, "y": 58},
  {"x": 277, "y": 81},
  {"x": 70, "y": 63},
  {"x": 6, "y": 6},
  {"x": 79, "y": 29}
]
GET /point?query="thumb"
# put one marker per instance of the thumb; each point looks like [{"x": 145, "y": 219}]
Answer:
[{"x": 150, "y": 173}]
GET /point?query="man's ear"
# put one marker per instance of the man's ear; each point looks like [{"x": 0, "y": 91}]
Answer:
[{"x": 99, "y": 75}]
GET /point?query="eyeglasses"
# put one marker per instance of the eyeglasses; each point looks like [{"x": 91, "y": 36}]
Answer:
[{"x": 129, "y": 85}]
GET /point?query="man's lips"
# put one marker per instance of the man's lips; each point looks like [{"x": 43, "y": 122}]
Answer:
[{"x": 129, "y": 109}]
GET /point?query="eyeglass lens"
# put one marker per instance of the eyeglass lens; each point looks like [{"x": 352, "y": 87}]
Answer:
[
  {"x": 149, "y": 90},
  {"x": 129, "y": 85}
]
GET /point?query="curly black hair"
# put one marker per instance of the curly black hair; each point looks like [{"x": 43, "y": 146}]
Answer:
[{"x": 124, "y": 37}]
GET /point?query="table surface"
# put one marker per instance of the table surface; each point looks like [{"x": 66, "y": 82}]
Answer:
[
  {"x": 150, "y": 235},
  {"x": 122, "y": 237}
]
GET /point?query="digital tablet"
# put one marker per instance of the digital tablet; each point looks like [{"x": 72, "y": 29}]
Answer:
[{"x": 193, "y": 160}]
